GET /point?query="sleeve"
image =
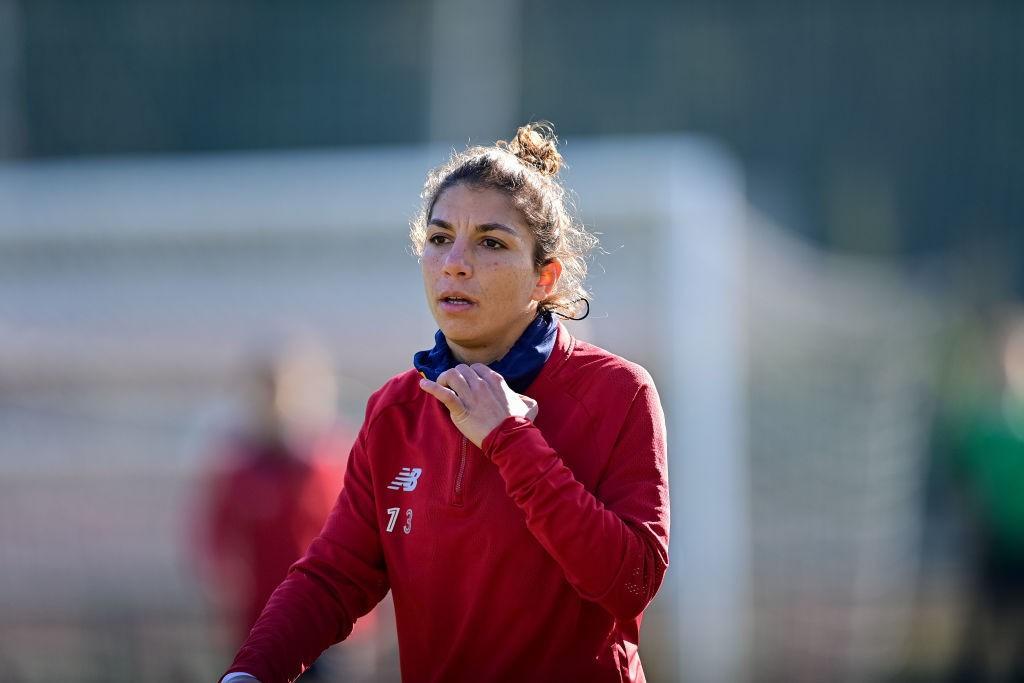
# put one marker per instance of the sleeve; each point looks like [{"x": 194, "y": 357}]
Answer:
[
  {"x": 339, "y": 579},
  {"x": 625, "y": 521},
  {"x": 235, "y": 675}
]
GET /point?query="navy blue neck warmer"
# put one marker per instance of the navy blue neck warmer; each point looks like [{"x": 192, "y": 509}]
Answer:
[{"x": 520, "y": 366}]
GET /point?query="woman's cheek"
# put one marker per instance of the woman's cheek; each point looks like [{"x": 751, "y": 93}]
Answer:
[{"x": 430, "y": 262}]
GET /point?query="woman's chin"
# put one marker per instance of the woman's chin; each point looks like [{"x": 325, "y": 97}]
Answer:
[{"x": 461, "y": 334}]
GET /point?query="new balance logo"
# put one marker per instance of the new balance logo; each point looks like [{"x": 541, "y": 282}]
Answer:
[{"x": 406, "y": 479}]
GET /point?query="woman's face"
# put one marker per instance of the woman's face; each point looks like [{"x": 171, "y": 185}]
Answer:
[{"x": 478, "y": 272}]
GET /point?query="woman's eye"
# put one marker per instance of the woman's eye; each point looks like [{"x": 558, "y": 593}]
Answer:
[
  {"x": 492, "y": 243},
  {"x": 438, "y": 239}
]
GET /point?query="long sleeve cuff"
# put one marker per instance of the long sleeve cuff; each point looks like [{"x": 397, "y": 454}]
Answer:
[{"x": 235, "y": 676}]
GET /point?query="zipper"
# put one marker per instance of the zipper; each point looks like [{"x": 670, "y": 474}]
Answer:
[{"x": 460, "y": 475}]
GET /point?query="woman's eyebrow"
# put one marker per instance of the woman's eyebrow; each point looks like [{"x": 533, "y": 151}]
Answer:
[
  {"x": 483, "y": 227},
  {"x": 441, "y": 224},
  {"x": 487, "y": 227}
]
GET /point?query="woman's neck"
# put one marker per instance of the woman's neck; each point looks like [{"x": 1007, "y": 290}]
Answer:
[{"x": 489, "y": 353}]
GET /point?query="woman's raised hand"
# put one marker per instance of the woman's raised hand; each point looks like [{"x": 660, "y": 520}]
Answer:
[{"x": 478, "y": 399}]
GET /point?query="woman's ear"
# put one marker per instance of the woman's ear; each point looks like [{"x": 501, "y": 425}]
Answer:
[{"x": 547, "y": 279}]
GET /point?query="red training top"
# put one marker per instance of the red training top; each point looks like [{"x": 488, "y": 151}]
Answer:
[{"x": 529, "y": 560}]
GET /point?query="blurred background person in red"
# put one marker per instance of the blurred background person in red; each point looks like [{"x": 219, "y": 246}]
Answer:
[{"x": 285, "y": 461}]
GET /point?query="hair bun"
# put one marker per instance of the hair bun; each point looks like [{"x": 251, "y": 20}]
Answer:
[{"x": 535, "y": 144}]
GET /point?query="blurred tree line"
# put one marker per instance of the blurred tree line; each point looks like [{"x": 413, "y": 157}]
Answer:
[{"x": 874, "y": 127}]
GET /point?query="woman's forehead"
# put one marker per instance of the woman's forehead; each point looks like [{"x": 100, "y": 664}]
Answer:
[{"x": 462, "y": 204}]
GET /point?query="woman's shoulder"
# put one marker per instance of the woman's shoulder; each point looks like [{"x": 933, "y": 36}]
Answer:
[
  {"x": 589, "y": 369},
  {"x": 608, "y": 365}
]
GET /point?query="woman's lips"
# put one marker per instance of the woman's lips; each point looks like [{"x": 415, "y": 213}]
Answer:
[{"x": 455, "y": 304}]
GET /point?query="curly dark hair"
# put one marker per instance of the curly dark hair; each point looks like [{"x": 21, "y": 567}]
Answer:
[{"x": 525, "y": 169}]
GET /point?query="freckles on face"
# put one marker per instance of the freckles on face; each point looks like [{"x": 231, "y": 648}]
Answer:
[{"x": 477, "y": 265}]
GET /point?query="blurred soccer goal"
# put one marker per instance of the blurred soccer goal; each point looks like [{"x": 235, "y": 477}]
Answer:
[{"x": 795, "y": 385}]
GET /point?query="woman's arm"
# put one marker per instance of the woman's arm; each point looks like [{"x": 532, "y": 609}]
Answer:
[{"x": 612, "y": 544}]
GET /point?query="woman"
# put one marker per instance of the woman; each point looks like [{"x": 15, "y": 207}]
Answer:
[{"x": 511, "y": 490}]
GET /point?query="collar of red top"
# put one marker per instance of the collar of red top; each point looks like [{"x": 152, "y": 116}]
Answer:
[{"x": 520, "y": 366}]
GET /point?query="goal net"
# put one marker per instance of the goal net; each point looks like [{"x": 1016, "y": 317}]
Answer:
[{"x": 795, "y": 385}]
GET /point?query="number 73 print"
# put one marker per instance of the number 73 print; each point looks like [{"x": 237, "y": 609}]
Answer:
[{"x": 393, "y": 517}]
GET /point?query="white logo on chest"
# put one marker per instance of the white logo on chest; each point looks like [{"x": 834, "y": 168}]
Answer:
[{"x": 406, "y": 479}]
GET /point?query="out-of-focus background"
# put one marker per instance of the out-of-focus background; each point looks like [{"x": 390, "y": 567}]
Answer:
[{"x": 812, "y": 220}]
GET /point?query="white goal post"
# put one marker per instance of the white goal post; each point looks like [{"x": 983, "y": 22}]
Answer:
[{"x": 148, "y": 277}]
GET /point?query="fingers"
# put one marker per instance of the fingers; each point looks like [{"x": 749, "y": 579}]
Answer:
[
  {"x": 478, "y": 399},
  {"x": 456, "y": 388},
  {"x": 444, "y": 395},
  {"x": 497, "y": 383},
  {"x": 486, "y": 373},
  {"x": 490, "y": 377},
  {"x": 456, "y": 381},
  {"x": 467, "y": 381}
]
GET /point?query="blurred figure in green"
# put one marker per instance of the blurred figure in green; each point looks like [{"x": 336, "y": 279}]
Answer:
[{"x": 987, "y": 467}]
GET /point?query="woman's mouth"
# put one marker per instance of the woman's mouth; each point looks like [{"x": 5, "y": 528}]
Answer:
[{"x": 454, "y": 303}]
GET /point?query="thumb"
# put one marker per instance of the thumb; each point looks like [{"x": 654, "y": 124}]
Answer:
[
  {"x": 532, "y": 407},
  {"x": 445, "y": 395}
]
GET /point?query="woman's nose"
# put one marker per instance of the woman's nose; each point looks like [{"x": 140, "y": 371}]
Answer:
[{"x": 456, "y": 262}]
